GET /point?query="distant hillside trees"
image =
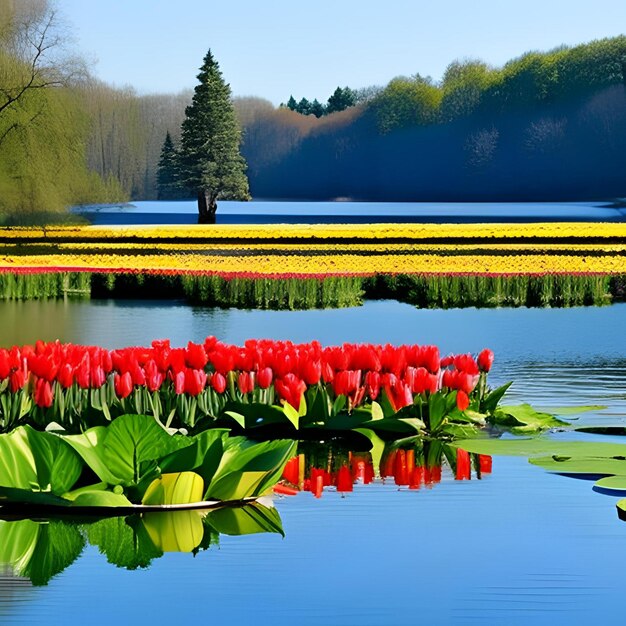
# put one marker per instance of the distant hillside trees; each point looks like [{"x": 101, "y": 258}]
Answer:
[
  {"x": 544, "y": 126},
  {"x": 340, "y": 100}
]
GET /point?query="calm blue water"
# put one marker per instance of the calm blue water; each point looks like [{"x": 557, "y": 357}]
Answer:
[
  {"x": 519, "y": 547},
  {"x": 267, "y": 212}
]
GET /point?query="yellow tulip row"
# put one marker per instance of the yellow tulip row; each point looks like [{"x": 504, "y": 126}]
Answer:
[
  {"x": 338, "y": 264},
  {"x": 353, "y": 248},
  {"x": 313, "y": 232}
]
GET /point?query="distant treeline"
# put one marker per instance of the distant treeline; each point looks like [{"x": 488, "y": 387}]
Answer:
[{"x": 544, "y": 126}]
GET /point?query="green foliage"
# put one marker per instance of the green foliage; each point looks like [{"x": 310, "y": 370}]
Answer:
[
  {"x": 448, "y": 291},
  {"x": 131, "y": 457},
  {"x": 269, "y": 293},
  {"x": 340, "y": 100},
  {"x": 168, "y": 186},
  {"x": 524, "y": 83},
  {"x": 39, "y": 550},
  {"x": 42, "y": 138},
  {"x": 209, "y": 159},
  {"x": 36, "y": 461},
  {"x": 406, "y": 102}
]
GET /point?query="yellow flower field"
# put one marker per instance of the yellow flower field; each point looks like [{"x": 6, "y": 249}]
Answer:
[
  {"x": 303, "y": 250},
  {"x": 314, "y": 232}
]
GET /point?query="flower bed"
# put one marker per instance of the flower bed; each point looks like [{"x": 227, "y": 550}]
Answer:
[{"x": 390, "y": 391}]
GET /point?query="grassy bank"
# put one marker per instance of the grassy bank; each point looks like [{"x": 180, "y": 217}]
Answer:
[{"x": 424, "y": 291}]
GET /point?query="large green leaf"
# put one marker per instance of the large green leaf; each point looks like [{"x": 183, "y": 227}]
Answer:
[
  {"x": 248, "y": 469},
  {"x": 26, "y": 496},
  {"x": 490, "y": 402},
  {"x": 179, "y": 488},
  {"x": 89, "y": 445},
  {"x": 396, "y": 426},
  {"x": 203, "y": 456},
  {"x": 570, "y": 410},
  {"x": 542, "y": 446},
  {"x": 615, "y": 483},
  {"x": 37, "y": 461},
  {"x": 580, "y": 465},
  {"x": 246, "y": 520},
  {"x": 348, "y": 421},
  {"x": 98, "y": 496},
  {"x": 437, "y": 409},
  {"x": 524, "y": 418},
  {"x": 133, "y": 444}
]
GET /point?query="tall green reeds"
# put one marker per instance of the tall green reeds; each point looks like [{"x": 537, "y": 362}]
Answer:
[
  {"x": 431, "y": 291},
  {"x": 441, "y": 291},
  {"x": 44, "y": 285}
]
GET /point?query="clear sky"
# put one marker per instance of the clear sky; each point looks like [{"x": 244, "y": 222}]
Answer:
[{"x": 274, "y": 48}]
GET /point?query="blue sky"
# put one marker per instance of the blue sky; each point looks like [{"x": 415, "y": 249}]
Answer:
[{"x": 273, "y": 48}]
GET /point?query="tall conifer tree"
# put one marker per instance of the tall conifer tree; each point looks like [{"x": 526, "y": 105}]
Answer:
[
  {"x": 209, "y": 162},
  {"x": 167, "y": 178}
]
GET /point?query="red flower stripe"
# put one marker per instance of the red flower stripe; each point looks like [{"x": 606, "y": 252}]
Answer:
[{"x": 357, "y": 371}]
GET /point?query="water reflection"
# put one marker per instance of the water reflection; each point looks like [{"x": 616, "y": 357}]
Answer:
[
  {"x": 418, "y": 464},
  {"x": 38, "y": 550}
]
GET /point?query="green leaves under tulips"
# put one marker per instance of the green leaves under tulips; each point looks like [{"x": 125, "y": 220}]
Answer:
[{"x": 136, "y": 460}]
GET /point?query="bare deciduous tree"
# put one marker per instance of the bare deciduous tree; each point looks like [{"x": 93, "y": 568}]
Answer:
[{"x": 34, "y": 50}]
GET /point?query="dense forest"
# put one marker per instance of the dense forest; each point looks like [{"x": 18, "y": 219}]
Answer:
[{"x": 544, "y": 126}]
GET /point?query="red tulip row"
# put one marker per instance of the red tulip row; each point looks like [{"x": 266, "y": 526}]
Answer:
[{"x": 357, "y": 371}]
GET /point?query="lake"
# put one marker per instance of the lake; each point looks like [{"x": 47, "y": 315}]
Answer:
[
  {"x": 520, "y": 546},
  {"x": 294, "y": 212}
]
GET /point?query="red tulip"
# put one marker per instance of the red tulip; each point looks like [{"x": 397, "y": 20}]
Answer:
[
  {"x": 43, "y": 393},
  {"x": 416, "y": 477},
  {"x": 154, "y": 378},
  {"x": 318, "y": 486},
  {"x": 123, "y": 385},
  {"x": 283, "y": 490},
  {"x": 218, "y": 382},
  {"x": 264, "y": 377},
  {"x": 400, "y": 471},
  {"x": 5, "y": 368},
  {"x": 372, "y": 384},
  {"x": 466, "y": 363},
  {"x": 290, "y": 389},
  {"x": 291, "y": 472},
  {"x": 245, "y": 382},
  {"x": 463, "y": 466},
  {"x": 485, "y": 463},
  {"x": 347, "y": 382},
  {"x": 462, "y": 400},
  {"x": 65, "y": 376},
  {"x": 222, "y": 359},
  {"x": 485, "y": 360},
  {"x": 328, "y": 373},
  {"x": 17, "y": 380},
  {"x": 344, "y": 480},
  {"x": 195, "y": 381},
  {"x": 179, "y": 382},
  {"x": 195, "y": 356},
  {"x": 311, "y": 371},
  {"x": 387, "y": 466},
  {"x": 43, "y": 366}
]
